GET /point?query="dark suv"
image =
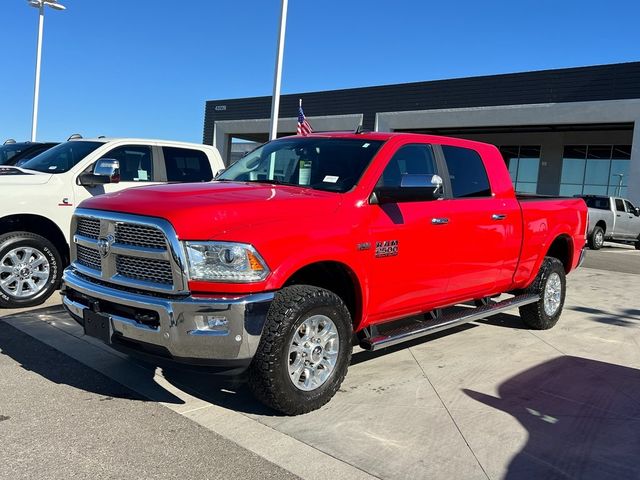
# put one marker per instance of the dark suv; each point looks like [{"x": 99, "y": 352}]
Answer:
[{"x": 17, "y": 153}]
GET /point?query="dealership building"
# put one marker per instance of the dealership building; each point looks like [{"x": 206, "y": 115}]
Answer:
[{"x": 561, "y": 132}]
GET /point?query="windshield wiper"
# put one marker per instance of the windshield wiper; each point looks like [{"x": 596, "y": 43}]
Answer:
[{"x": 275, "y": 182}]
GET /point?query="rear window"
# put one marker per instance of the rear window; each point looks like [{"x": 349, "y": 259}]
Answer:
[
  {"x": 186, "y": 165},
  {"x": 467, "y": 173},
  {"x": 599, "y": 203}
]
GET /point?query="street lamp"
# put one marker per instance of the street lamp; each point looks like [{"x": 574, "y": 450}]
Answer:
[
  {"x": 40, "y": 4},
  {"x": 619, "y": 187}
]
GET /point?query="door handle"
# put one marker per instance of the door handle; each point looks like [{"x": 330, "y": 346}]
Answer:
[
  {"x": 439, "y": 221},
  {"x": 498, "y": 216}
]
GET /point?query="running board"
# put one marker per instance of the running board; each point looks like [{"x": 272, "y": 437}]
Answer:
[{"x": 443, "y": 322}]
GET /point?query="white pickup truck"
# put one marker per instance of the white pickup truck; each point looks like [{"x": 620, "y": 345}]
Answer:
[
  {"x": 612, "y": 218},
  {"x": 37, "y": 201}
]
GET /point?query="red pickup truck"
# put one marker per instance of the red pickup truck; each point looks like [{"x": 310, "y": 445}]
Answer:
[{"x": 308, "y": 243}]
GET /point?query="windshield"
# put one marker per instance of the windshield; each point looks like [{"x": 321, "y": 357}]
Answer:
[
  {"x": 7, "y": 152},
  {"x": 332, "y": 164},
  {"x": 61, "y": 158}
]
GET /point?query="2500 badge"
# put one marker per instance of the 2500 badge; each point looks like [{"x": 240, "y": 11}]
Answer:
[{"x": 387, "y": 248}]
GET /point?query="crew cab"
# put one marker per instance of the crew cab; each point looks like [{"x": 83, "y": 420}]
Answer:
[
  {"x": 310, "y": 239},
  {"x": 37, "y": 201},
  {"x": 612, "y": 218}
]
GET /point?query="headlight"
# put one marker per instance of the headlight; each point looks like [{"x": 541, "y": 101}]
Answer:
[{"x": 224, "y": 262}]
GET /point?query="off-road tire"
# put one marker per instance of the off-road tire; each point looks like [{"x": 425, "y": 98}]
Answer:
[
  {"x": 534, "y": 315},
  {"x": 269, "y": 375},
  {"x": 10, "y": 241},
  {"x": 593, "y": 243}
]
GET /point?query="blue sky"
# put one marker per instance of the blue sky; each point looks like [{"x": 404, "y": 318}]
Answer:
[{"x": 145, "y": 68}]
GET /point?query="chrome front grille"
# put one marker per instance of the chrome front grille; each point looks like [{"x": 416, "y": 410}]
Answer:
[
  {"x": 157, "y": 271},
  {"x": 88, "y": 227},
  {"x": 140, "y": 236},
  {"x": 128, "y": 251},
  {"x": 89, "y": 257}
]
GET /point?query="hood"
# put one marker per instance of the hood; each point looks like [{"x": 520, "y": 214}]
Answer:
[
  {"x": 205, "y": 211},
  {"x": 20, "y": 176}
]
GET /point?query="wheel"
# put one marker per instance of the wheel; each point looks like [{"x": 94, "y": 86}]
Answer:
[
  {"x": 30, "y": 269},
  {"x": 596, "y": 240},
  {"x": 304, "y": 351},
  {"x": 550, "y": 284},
  {"x": 637, "y": 244}
]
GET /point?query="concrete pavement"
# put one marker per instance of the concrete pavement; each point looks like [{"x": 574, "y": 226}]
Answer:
[{"x": 489, "y": 400}]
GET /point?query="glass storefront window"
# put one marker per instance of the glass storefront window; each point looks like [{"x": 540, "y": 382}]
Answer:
[
  {"x": 595, "y": 170},
  {"x": 523, "y": 162}
]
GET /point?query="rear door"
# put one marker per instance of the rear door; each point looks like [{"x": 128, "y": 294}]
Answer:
[
  {"x": 483, "y": 241},
  {"x": 186, "y": 165}
]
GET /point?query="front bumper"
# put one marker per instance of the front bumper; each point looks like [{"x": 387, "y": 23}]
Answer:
[{"x": 213, "y": 330}]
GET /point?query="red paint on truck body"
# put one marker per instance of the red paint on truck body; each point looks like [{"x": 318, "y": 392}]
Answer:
[{"x": 471, "y": 257}]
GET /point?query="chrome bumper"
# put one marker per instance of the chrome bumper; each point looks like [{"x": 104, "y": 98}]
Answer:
[{"x": 196, "y": 330}]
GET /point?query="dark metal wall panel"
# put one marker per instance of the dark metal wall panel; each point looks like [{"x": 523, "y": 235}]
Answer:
[{"x": 602, "y": 82}]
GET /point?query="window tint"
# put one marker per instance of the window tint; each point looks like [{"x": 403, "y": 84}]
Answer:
[
  {"x": 136, "y": 162},
  {"x": 185, "y": 165},
  {"x": 410, "y": 159},
  {"x": 467, "y": 173},
  {"x": 597, "y": 202},
  {"x": 619, "y": 205}
]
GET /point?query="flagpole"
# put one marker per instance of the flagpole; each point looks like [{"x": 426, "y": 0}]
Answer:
[{"x": 275, "y": 98}]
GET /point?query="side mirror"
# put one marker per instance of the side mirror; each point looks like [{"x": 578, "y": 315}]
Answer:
[
  {"x": 413, "y": 188},
  {"x": 106, "y": 170},
  {"x": 637, "y": 211}
]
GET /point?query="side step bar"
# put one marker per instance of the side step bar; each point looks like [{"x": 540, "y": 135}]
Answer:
[{"x": 443, "y": 322}]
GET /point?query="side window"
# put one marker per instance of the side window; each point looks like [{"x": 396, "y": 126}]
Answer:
[
  {"x": 410, "y": 159},
  {"x": 630, "y": 208},
  {"x": 186, "y": 165},
  {"x": 467, "y": 173},
  {"x": 136, "y": 162},
  {"x": 619, "y": 205}
]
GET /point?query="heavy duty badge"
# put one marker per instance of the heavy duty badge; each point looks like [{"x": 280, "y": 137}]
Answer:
[{"x": 387, "y": 248}]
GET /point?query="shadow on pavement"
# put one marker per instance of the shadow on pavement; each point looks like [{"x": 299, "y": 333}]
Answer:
[
  {"x": 627, "y": 317},
  {"x": 582, "y": 417},
  {"x": 57, "y": 367},
  {"x": 226, "y": 391}
]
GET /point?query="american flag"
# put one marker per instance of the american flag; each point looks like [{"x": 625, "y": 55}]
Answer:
[{"x": 303, "y": 126}]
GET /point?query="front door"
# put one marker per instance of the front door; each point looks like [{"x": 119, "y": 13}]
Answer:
[
  {"x": 137, "y": 167},
  {"x": 407, "y": 262},
  {"x": 629, "y": 221}
]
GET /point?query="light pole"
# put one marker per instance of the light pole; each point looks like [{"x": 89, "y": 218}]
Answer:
[
  {"x": 275, "y": 98},
  {"x": 619, "y": 187},
  {"x": 40, "y": 4}
]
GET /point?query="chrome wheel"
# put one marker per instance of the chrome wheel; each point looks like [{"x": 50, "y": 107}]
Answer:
[
  {"x": 24, "y": 272},
  {"x": 599, "y": 238},
  {"x": 313, "y": 352},
  {"x": 552, "y": 294}
]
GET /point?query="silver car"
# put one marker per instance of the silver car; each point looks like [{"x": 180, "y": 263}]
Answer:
[{"x": 612, "y": 218}]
